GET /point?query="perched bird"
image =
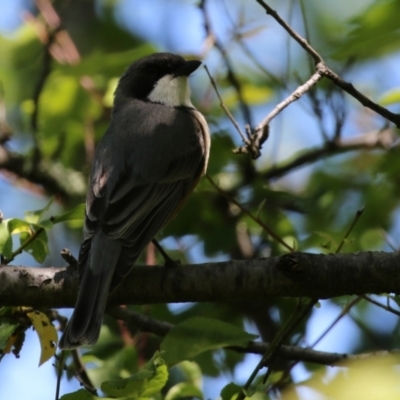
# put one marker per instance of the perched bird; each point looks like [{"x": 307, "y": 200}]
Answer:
[{"x": 145, "y": 166}]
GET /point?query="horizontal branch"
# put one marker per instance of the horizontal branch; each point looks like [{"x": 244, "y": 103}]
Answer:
[
  {"x": 292, "y": 275},
  {"x": 145, "y": 323},
  {"x": 376, "y": 140}
]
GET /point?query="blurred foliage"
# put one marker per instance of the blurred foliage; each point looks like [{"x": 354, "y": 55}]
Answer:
[{"x": 310, "y": 211}]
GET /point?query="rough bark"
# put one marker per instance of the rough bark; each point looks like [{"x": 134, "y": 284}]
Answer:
[{"x": 292, "y": 275}]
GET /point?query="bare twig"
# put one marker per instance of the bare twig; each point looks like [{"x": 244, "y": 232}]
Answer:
[
  {"x": 225, "y": 108},
  {"x": 59, "y": 365},
  {"x": 81, "y": 373},
  {"x": 254, "y": 218},
  {"x": 387, "y": 308},
  {"x": 355, "y": 220},
  {"x": 323, "y": 70},
  {"x": 272, "y": 351},
  {"x": 231, "y": 76},
  {"x": 260, "y": 134},
  {"x": 69, "y": 258}
]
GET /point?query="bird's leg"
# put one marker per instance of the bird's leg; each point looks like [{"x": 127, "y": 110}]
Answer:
[{"x": 169, "y": 262}]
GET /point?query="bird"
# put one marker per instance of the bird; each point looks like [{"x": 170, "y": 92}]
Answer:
[{"x": 148, "y": 162}]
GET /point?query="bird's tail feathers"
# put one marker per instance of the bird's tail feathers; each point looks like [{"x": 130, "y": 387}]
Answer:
[{"x": 95, "y": 280}]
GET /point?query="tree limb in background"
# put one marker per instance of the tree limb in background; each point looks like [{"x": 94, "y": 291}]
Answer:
[
  {"x": 385, "y": 139},
  {"x": 148, "y": 324},
  {"x": 53, "y": 177}
]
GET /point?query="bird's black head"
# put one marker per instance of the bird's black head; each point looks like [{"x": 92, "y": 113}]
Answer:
[{"x": 159, "y": 78}]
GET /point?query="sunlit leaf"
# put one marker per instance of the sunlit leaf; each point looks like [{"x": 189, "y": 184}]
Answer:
[
  {"x": 390, "y": 97},
  {"x": 47, "y": 334},
  {"x": 77, "y": 213},
  {"x": 184, "y": 390},
  {"x": 38, "y": 248},
  {"x": 370, "y": 378},
  {"x": 7, "y": 328},
  {"x": 252, "y": 95},
  {"x": 5, "y": 240},
  {"x": 34, "y": 217},
  {"x": 16, "y": 225}
]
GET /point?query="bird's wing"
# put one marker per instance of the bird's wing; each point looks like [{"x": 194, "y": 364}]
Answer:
[{"x": 143, "y": 170}]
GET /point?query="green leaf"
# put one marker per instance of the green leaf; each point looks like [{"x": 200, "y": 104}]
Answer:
[
  {"x": 145, "y": 383},
  {"x": 330, "y": 241},
  {"x": 184, "y": 390},
  {"x": 5, "y": 240},
  {"x": 9, "y": 227},
  {"x": 376, "y": 32},
  {"x": 191, "y": 372},
  {"x": 7, "y": 328},
  {"x": 77, "y": 213},
  {"x": 34, "y": 217},
  {"x": 16, "y": 225},
  {"x": 197, "y": 335},
  {"x": 37, "y": 248},
  {"x": 230, "y": 391},
  {"x": 81, "y": 395}
]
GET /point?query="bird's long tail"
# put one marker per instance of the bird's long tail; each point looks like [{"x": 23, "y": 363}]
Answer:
[{"x": 94, "y": 285}]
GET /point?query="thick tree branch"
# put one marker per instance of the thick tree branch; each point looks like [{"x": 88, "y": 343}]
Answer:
[{"x": 291, "y": 275}]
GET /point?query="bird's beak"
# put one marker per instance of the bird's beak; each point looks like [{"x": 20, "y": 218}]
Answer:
[{"x": 188, "y": 68}]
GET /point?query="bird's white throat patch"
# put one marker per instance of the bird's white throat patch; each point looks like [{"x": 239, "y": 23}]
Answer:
[{"x": 172, "y": 91}]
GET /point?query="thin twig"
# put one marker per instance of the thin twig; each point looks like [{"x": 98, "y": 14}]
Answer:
[
  {"x": 261, "y": 132},
  {"x": 255, "y": 219},
  {"x": 272, "y": 350},
  {"x": 290, "y": 99},
  {"x": 231, "y": 76},
  {"x": 356, "y": 218},
  {"x": 345, "y": 310},
  {"x": 323, "y": 69},
  {"x": 225, "y": 108},
  {"x": 387, "y": 308},
  {"x": 59, "y": 366},
  {"x": 81, "y": 373},
  {"x": 23, "y": 246},
  {"x": 342, "y": 313}
]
